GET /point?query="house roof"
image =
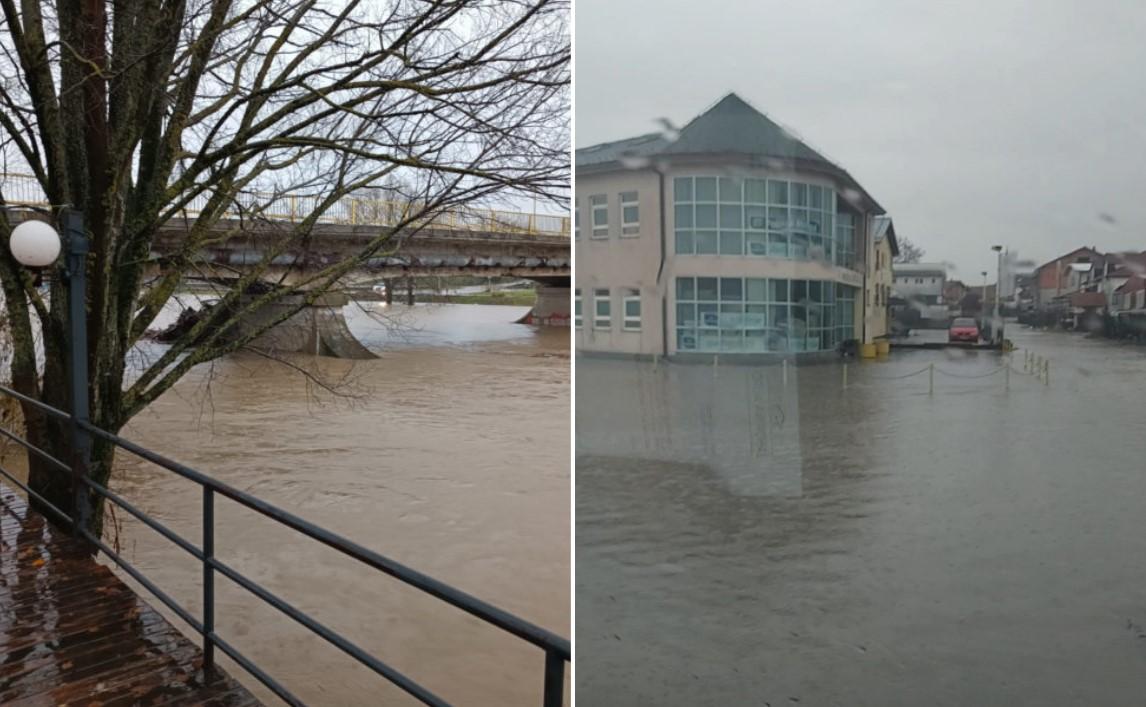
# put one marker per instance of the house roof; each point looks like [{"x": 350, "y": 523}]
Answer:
[
  {"x": 1127, "y": 264},
  {"x": 1135, "y": 283},
  {"x": 1087, "y": 299},
  {"x": 732, "y": 127},
  {"x": 883, "y": 228},
  {"x": 1064, "y": 256},
  {"x": 611, "y": 152}
]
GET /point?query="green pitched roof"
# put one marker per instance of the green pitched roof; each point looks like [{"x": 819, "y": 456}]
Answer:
[{"x": 732, "y": 126}]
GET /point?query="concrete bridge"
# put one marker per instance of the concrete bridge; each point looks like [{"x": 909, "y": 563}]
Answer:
[{"x": 463, "y": 241}]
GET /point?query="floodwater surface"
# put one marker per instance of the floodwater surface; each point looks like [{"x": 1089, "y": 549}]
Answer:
[
  {"x": 450, "y": 454},
  {"x": 745, "y": 541}
]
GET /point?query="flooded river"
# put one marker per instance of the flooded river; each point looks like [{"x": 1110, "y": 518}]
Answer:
[
  {"x": 450, "y": 454},
  {"x": 745, "y": 541}
]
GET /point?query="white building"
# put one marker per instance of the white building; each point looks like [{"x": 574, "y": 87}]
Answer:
[
  {"x": 922, "y": 284},
  {"x": 733, "y": 237}
]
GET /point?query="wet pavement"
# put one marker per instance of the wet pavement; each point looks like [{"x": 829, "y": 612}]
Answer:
[
  {"x": 72, "y": 634},
  {"x": 745, "y": 541}
]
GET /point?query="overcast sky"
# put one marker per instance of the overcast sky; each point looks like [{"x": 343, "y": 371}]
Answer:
[{"x": 971, "y": 122}]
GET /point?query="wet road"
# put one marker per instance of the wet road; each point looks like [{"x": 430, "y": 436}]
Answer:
[
  {"x": 449, "y": 454},
  {"x": 808, "y": 545}
]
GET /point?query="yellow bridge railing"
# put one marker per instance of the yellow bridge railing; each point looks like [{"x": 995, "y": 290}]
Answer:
[{"x": 24, "y": 189}]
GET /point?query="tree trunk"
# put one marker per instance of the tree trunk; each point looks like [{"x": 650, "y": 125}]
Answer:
[{"x": 54, "y": 436}]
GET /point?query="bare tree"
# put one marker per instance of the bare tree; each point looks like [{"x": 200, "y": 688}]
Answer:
[
  {"x": 139, "y": 112},
  {"x": 908, "y": 252}
]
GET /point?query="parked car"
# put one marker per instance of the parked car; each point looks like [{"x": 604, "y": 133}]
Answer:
[{"x": 963, "y": 329}]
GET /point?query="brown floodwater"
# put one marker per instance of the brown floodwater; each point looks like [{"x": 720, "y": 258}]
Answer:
[
  {"x": 450, "y": 453},
  {"x": 746, "y": 540}
]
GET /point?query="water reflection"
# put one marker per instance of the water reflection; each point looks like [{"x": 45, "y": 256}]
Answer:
[{"x": 965, "y": 547}]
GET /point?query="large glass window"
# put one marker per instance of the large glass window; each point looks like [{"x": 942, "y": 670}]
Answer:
[
  {"x": 758, "y": 315},
  {"x": 845, "y": 240},
  {"x": 767, "y": 217}
]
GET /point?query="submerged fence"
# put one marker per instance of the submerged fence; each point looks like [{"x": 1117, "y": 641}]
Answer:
[{"x": 555, "y": 649}]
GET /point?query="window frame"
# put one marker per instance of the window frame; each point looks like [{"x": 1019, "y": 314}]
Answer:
[
  {"x": 578, "y": 303},
  {"x": 598, "y": 299},
  {"x": 630, "y": 229},
  {"x": 630, "y": 294},
  {"x": 597, "y": 232}
]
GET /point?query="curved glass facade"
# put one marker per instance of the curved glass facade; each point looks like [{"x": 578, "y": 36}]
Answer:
[
  {"x": 761, "y": 315},
  {"x": 766, "y": 217}
]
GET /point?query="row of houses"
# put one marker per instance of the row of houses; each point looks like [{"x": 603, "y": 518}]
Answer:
[
  {"x": 729, "y": 236},
  {"x": 1087, "y": 288}
]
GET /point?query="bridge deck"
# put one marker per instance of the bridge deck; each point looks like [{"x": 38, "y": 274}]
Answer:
[{"x": 71, "y": 633}]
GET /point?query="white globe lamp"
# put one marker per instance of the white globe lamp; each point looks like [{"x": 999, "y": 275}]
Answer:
[{"x": 35, "y": 244}]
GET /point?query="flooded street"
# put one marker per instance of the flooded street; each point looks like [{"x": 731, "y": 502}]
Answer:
[
  {"x": 450, "y": 453},
  {"x": 745, "y": 541}
]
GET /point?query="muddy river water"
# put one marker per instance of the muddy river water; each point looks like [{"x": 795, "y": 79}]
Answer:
[{"x": 450, "y": 453}]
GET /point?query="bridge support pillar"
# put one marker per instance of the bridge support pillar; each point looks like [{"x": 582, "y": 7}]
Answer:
[
  {"x": 410, "y": 291},
  {"x": 552, "y": 305},
  {"x": 319, "y": 329},
  {"x": 389, "y": 284}
]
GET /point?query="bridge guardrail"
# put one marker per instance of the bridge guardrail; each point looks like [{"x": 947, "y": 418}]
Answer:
[
  {"x": 24, "y": 190},
  {"x": 557, "y": 650}
]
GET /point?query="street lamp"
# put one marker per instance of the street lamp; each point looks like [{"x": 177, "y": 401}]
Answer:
[
  {"x": 997, "y": 324},
  {"x": 36, "y": 244}
]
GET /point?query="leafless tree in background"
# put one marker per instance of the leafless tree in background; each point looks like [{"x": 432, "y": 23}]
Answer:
[
  {"x": 134, "y": 110},
  {"x": 908, "y": 252}
]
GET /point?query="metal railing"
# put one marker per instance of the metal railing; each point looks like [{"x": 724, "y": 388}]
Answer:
[
  {"x": 556, "y": 649},
  {"x": 25, "y": 190}
]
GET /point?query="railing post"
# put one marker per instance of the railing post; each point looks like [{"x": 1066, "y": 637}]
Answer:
[
  {"x": 208, "y": 581},
  {"x": 554, "y": 680},
  {"x": 77, "y": 244}
]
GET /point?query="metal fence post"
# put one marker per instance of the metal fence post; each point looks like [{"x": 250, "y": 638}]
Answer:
[
  {"x": 208, "y": 581},
  {"x": 845, "y": 376},
  {"x": 931, "y": 379},
  {"x": 784, "y": 370},
  {"x": 554, "y": 680},
  {"x": 77, "y": 245}
]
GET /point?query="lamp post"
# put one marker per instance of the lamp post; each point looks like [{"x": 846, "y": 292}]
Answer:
[
  {"x": 997, "y": 323},
  {"x": 36, "y": 244}
]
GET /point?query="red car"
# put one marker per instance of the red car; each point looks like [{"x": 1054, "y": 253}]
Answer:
[{"x": 963, "y": 329}]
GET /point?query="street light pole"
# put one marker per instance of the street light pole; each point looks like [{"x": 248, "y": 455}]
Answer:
[
  {"x": 36, "y": 244},
  {"x": 997, "y": 324},
  {"x": 76, "y": 273}
]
